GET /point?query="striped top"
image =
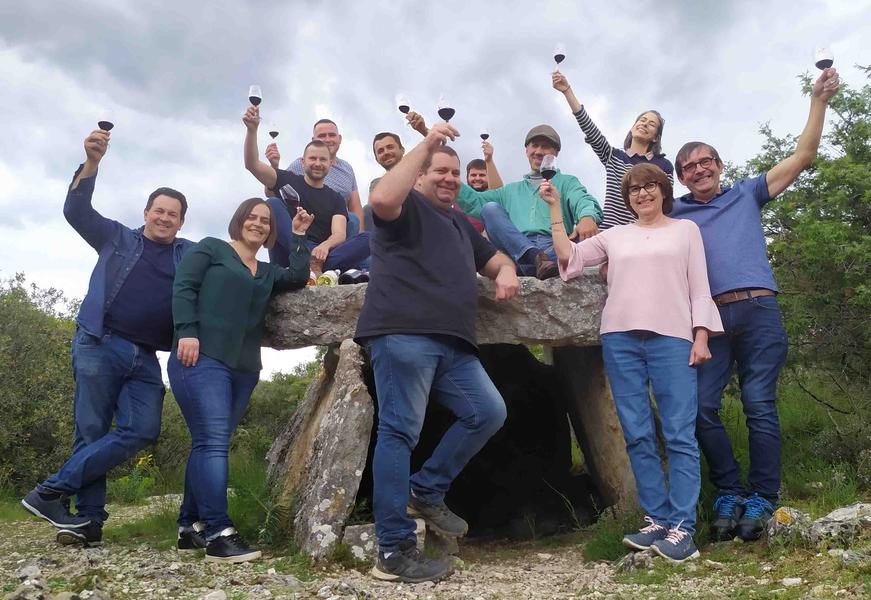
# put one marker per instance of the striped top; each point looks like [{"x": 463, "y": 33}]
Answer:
[
  {"x": 616, "y": 162},
  {"x": 340, "y": 177}
]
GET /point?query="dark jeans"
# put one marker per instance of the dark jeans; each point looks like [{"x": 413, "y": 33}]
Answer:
[
  {"x": 353, "y": 253},
  {"x": 407, "y": 369},
  {"x": 506, "y": 237},
  {"x": 114, "y": 378},
  {"x": 634, "y": 359},
  {"x": 756, "y": 342},
  {"x": 212, "y": 398}
]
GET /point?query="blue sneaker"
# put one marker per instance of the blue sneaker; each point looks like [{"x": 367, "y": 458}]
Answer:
[
  {"x": 728, "y": 509},
  {"x": 757, "y": 512},
  {"x": 646, "y": 535},
  {"x": 677, "y": 546},
  {"x": 54, "y": 508}
]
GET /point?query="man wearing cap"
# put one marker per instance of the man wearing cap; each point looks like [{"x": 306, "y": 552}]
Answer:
[{"x": 518, "y": 222}]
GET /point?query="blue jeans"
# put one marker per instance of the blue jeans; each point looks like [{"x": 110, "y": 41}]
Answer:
[
  {"x": 407, "y": 368},
  {"x": 114, "y": 378},
  {"x": 756, "y": 342},
  {"x": 634, "y": 359},
  {"x": 353, "y": 227},
  {"x": 506, "y": 237},
  {"x": 353, "y": 253},
  {"x": 212, "y": 398}
]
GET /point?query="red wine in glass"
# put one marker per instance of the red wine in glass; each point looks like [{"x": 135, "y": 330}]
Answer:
[
  {"x": 485, "y": 135},
  {"x": 105, "y": 125},
  {"x": 548, "y": 166},
  {"x": 403, "y": 104},
  {"x": 273, "y": 133},
  {"x": 823, "y": 58},
  {"x": 559, "y": 54},
  {"x": 255, "y": 96},
  {"x": 445, "y": 110}
]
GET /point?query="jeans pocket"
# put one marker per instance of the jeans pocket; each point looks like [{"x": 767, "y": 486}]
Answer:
[
  {"x": 766, "y": 303},
  {"x": 84, "y": 338}
]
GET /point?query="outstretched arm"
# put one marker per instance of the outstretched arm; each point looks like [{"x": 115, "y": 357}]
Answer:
[
  {"x": 786, "y": 171},
  {"x": 494, "y": 180},
  {"x": 389, "y": 195},
  {"x": 78, "y": 208},
  {"x": 264, "y": 172}
]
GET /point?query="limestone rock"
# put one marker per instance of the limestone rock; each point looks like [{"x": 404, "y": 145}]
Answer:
[
  {"x": 840, "y": 526},
  {"x": 549, "y": 312},
  {"x": 362, "y": 541},
  {"x": 29, "y": 571},
  {"x": 634, "y": 561},
  {"x": 788, "y": 522},
  {"x": 339, "y": 441}
]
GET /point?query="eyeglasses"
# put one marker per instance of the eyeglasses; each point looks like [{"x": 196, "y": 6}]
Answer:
[
  {"x": 703, "y": 163},
  {"x": 648, "y": 187}
]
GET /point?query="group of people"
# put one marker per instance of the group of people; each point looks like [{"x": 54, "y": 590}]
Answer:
[{"x": 691, "y": 296}]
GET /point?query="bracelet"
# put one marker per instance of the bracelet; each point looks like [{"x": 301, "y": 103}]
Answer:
[{"x": 555, "y": 223}]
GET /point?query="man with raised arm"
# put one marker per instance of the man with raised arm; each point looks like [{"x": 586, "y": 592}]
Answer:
[
  {"x": 742, "y": 285},
  {"x": 340, "y": 177},
  {"x": 326, "y": 235},
  {"x": 418, "y": 324},
  {"x": 125, "y": 317},
  {"x": 518, "y": 223}
]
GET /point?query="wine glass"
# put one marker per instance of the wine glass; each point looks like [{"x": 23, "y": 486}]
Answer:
[
  {"x": 445, "y": 108},
  {"x": 823, "y": 58},
  {"x": 559, "y": 54},
  {"x": 485, "y": 135},
  {"x": 548, "y": 166},
  {"x": 255, "y": 96},
  {"x": 273, "y": 131},
  {"x": 105, "y": 125},
  {"x": 403, "y": 104}
]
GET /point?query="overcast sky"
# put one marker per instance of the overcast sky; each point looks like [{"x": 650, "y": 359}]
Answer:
[{"x": 173, "y": 76}]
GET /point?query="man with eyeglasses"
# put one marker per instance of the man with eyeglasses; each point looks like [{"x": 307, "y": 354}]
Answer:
[{"x": 742, "y": 285}]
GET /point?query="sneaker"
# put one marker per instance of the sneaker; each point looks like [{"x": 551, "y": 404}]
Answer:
[
  {"x": 677, "y": 546},
  {"x": 52, "y": 507},
  {"x": 88, "y": 536},
  {"x": 438, "y": 517},
  {"x": 191, "y": 538},
  {"x": 645, "y": 536},
  {"x": 229, "y": 547},
  {"x": 728, "y": 510},
  {"x": 406, "y": 564},
  {"x": 545, "y": 268},
  {"x": 757, "y": 512}
]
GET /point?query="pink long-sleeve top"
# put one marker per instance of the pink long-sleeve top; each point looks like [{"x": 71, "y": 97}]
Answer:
[{"x": 657, "y": 278}]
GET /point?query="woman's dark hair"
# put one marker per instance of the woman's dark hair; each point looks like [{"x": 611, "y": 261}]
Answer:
[
  {"x": 656, "y": 145},
  {"x": 644, "y": 173},
  {"x": 241, "y": 215}
]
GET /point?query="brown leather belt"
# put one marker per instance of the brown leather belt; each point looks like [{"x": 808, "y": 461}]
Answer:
[{"x": 738, "y": 295}]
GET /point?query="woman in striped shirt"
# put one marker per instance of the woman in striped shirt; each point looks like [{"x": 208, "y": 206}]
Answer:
[{"x": 643, "y": 144}]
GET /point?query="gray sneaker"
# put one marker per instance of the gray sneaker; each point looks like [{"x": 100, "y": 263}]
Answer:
[
  {"x": 191, "y": 539},
  {"x": 53, "y": 508},
  {"x": 437, "y": 516},
  {"x": 88, "y": 536},
  {"x": 644, "y": 538},
  {"x": 677, "y": 546},
  {"x": 406, "y": 564}
]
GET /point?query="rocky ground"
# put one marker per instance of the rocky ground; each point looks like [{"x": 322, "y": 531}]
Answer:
[{"x": 33, "y": 566}]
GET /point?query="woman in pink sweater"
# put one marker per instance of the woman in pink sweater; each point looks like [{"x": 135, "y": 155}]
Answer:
[{"x": 655, "y": 328}]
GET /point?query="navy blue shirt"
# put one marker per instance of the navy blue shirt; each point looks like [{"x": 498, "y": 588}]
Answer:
[
  {"x": 423, "y": 275},
  {"x": 142, "y": 310}
]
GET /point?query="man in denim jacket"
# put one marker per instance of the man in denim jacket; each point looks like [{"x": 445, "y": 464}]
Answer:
[{"x": 125, "y": 317}]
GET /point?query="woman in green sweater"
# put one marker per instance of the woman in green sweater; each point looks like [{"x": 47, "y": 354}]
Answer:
[{"x": 219, "y": 300}]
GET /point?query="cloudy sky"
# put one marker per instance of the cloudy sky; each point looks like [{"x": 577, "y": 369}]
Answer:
[{"x": 173, "y": 76}]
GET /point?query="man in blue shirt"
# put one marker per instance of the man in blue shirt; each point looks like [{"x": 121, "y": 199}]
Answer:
[
  {"x": 125, "y": 317},
  {"x": 742, "y": 284}
]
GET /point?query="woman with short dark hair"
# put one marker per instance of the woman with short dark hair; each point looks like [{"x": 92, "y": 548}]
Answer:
[
  {"x": 219, "y": 300},
  {"x": 654, "y": 332}
]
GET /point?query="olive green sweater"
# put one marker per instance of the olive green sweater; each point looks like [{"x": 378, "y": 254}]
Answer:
[{"x": 216, "y": 299}]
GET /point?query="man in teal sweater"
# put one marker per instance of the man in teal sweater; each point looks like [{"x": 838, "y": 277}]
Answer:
[{"x": 518, "y": 221}]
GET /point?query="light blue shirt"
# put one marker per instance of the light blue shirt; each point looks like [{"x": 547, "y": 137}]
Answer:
[{"x": 731, "y": 226}]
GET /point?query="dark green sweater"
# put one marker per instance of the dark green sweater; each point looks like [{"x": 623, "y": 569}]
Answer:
[{"x": 217, "y": 300}]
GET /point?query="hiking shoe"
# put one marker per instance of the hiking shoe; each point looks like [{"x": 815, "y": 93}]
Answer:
[
  {"x": 407, "y": 564},
  {"x": 52, "y": 507},
  {"x": 757, "y": 512},
  {"x": 229, "y": 547},
  {"x": 191, "y": 538},
  {"x": 645, "y": 536},
  {"x": 438, "y": 517},
  {"x": 88, "y": 536},
  {"x": 728, "y": 510},
  {"x": 545, "y": 268},
  {"x": 677, "y": 546}
]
